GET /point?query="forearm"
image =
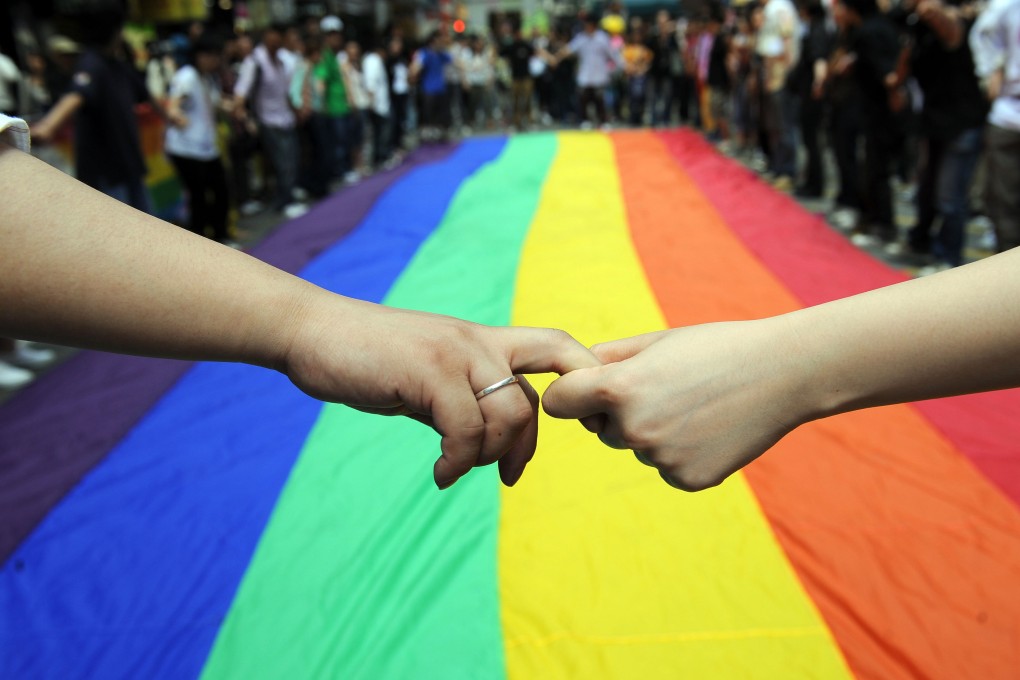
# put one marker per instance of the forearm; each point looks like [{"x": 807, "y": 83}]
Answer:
[
  {"x": 954, "y": 333},
  {"x": 58, "y": 115},
  {"x": 81, "y": 269}
]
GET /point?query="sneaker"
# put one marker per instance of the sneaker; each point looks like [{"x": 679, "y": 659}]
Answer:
[
  {"x": 27, "y": 356},
  {"x": 250, "y": 208},
  {"x": 934, "y": 268},
  {"x": 294, "y": 210},
  {"x": 12, "y": 377},
  {"x": 864, "y": 240},
  {"x": 783, "y": 183},
  {"x": 352, "y": 177},
  {"x": 844, "y": 219}
]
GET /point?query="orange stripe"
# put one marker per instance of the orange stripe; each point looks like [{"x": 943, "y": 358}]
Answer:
[{"x": 911, "y": 555}]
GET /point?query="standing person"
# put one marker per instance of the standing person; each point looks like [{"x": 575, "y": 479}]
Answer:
[
  {"x": 377, "y": 85},
  {"x": 104, "y": 91},
  {"x": 336, "y": 99},
  {"x": 951, "y": 120},
  {"x": 688, "y": 90},
  {"x": 594, "y": 55},
  {"x": 807, "y": 82},
  {"x": 564, "y": 84},
  {"x": 400, "y": 91},
  {"x": 354, "y": 80},
  {"x": 719, "y": 79},
  {"x": 243, "y": 143},
  {"x": 844, "y": 98},
  {"x": 429, "y": 70},
  {"x": 518, "y": 53},
  {"x": 779, "y": 49},
  {"x": 191, "y": 144},
  {"x": 264, "y": 83},
  {"x": 637, "y": 59},
  {"x": 665, "y": 68},
  {"x": 876, "y": 50},
  {"x": 307, "y": 96},
  {"x": 995, "y": 40},
  {"x": 478, "y": 75}
]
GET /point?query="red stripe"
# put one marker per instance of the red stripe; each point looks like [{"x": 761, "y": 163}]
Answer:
[{"x": 817, "y": 265}]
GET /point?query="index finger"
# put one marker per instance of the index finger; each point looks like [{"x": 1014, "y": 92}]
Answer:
[{"x": 544, "y": 350}]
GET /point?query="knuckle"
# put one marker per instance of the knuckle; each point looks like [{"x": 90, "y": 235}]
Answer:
[{"x": 691, "y": 479}]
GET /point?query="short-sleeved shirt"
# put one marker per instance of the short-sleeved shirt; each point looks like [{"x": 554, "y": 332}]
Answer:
[
  {"x": 327, "y": 71},
  {"x": 9, "y": 78},
  {"x": 14, "y": 131},
  {"x": 270, "y": 78},
  {"x": 108, "y": 151},
  {"x": 594, "y": 54},
  {"x": 953, "y": 101},
  {"x": 199, "y": 97},
  {"x": 433, "y": 67},
  {"x": 518, "y": 55},
  {"x": 718, "y": 74}
]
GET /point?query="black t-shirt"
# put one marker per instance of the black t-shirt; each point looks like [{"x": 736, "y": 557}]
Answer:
[
  {"x": 518, "y": 54},
  {"x": 107, "y": 146},
  {"x": 953, "y": 101},
  {"x": 665, "y": 55},
  {"x": 816, "y": 44},
  {"x": 877, "y": 46},
  {"x": 718, "y": 74}
]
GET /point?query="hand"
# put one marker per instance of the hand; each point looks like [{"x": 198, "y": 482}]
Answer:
[
  {"x": 178, "y": 119},
  {"x": 41, "y": 134},
  {"x": 696, "y": 403},
  {"x": 429, "y": 367}
]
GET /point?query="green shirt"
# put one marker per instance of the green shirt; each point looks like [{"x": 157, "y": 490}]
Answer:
[{"x": 328, "y": 71}]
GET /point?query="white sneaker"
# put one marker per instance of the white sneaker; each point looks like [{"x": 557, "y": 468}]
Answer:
[
  {"x": 27, "y": 356},
  {"x": 352, "y": 176},
  {"x": 12, "y": 377},
  {"x": 864, "y": 240},
  {"x": 250, "y": 208},
  {"x": 934, "y": 269},
  {"x": 294, "y": 210},
  {"x": 844, "y": 219}
]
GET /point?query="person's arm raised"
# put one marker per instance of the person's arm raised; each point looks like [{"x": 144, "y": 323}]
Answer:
[
  {"x": 699, "y": 403},
  {"x": 80, "y": 269}
]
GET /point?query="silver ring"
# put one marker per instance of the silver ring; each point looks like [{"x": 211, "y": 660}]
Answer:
[{"x": 497, "y": 386}]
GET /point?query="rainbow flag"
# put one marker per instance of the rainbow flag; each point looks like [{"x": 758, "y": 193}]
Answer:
[{"x": 172, "y": 520}]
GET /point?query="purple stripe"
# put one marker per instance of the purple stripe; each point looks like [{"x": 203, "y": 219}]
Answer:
[{"x": 56, "y": 430}]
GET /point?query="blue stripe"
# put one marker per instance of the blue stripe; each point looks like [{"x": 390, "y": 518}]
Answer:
[{"x": 132, "y": 574}]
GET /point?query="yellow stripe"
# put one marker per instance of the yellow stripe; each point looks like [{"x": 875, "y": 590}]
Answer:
[{"x": 605, "y": 572}]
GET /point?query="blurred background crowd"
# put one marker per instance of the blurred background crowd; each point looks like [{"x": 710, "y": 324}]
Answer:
[{"x": 206, "y": 112}]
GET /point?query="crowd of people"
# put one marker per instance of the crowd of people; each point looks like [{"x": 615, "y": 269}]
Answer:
[{"x": 923, "y": 91}]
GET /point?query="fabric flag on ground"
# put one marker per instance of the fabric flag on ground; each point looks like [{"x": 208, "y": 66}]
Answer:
[{"x": 171, "y": 520}]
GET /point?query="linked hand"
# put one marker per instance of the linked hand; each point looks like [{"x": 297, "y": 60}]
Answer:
[
  {"x": 695, "y": 403},
  {"x": 429, "y": 367}
]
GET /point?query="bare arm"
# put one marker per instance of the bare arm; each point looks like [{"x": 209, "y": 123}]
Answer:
[
  {"x": 58, "y": 116},
  {"x": 80, "y": 269},
  {"x": 699, "y": 403}
]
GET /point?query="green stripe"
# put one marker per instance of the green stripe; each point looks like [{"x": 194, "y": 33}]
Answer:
[{"x": 365, "y": 570}]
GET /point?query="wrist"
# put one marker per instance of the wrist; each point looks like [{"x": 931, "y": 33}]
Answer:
[{"x": 813, "y": 384}]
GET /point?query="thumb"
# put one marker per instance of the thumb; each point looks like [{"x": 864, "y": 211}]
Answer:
[
  {"x": 619, "y": 350},
  {"x": 545, "y": 350},
  {"x": 576, "y": 395}
]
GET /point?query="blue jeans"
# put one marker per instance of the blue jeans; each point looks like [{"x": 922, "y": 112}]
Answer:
[
  {"x": 781, "y": 126},
  {"x": 282, "y": 149},
  {"x": 943, "y": 192},
  {"x": 132, "y": 192}
]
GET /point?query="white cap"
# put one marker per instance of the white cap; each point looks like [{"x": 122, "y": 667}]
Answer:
[{"x": 331, "y": 24}]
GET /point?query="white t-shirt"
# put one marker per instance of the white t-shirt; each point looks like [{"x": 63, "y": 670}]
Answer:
[
  {"x": 14, "y": 131},
  {"x": 9, "y": 76},
  {"x": 401, "y": 84},
  {"x": 199, "y": 98},
  {"x": 376, "y": 83},
  {"x": 995, "y": 42}
]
